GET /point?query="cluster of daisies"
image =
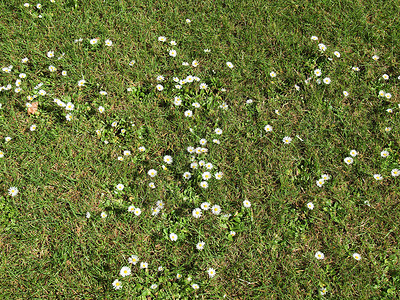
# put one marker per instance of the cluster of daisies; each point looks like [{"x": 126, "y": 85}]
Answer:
[{"x": 384, "y": 154}]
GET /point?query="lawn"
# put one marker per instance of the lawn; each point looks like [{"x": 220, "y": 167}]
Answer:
[{"x": 199, "y": 149}]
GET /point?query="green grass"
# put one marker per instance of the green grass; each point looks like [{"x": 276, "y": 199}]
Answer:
[{"x": 50, "y": 250}]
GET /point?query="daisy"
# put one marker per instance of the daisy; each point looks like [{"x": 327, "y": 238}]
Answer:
[
  {"x": 68, "y": 117},
  {"x": 131, "y": 63},
  {"x": 384, "y": 154},
  {"x": 188, "y": 21},
  {"x": 322, "y": 47},
  {"x": 94, "y": 41},
  {"x": 218, "y": 131},
  {"x": 322, "y": 291},
  {"x": 314, "y": 38},
  {"x": 155, "y": 211},
  {"x": 168, "y": 159},
  {"x": 378, "y": 177},
  {"x": 160, "y": 268},
  {"x": 187, "y": 175},
  {"x": 160, "y": 204},
  {"x": 185, "y": 63},
  {"x": 162, "y": 38},
  {"x": 206, "y": 175},
  {"x": 52, "y": 68},
  {"x": 172, "y": 53},
  {"x": 389, "y": 110},
  {"x": 205, "y": 206},
  {"x": 224, "y": 106},
  {"x": 173, "y": 237},
  {"x": 216, "y": 209},
  {"x": 159, "y": 87},
  {"x": 24, "y": 60},
  {"x": 177, "y": 100},
  {"x": 87, "y": 215},
  {"x": 195, "y": 286},
  {"x": 246, "y": 203},
  {"x": 287, "y": 140},
  {"x": 336, "y": 53},
  {"x": 141, "y": 149},
  {"x": 196, "y": 213},
  {"x": 69, "y": 106},
  {"x": 64, "y": 73},
  {"x": 357, "y": 256},
  {"x": 50, "y": 54},
  {"x": 152, "y": 185},
  {"x": 272, "y": 74},
  {"x": 103, "y": 215},
  {"x": 395, "y": 172},
  {"x": 385, "y": 76},
  {"x": 144, "y": 265},
  {"x": 327, "y": 80},
  {"x": 131, "y": 208},
  {"x": 375, "y": 57},
  {"x": 218, "y": 175},
  {"x": 160, "y": 78},
  {"x": 310, "y": 205},
  {"x": 297, "y": 87},
  {"x": 101, "y": 109},
  {"x": 232, "y": 233},
  {"x": 137, "y": 211},
  {"x": 320, "y": 182},
  {"x": 152, "y": 173},
  {"x": 345, "y": 93},
  {"x": 200, "y": 245},
  {"x": 211, "y": 272},
  {"x": 325, "y": 177},
  {"x": 196, "y": 105},
  {"x": 125, "y": 271},
  {"x": 188, "y": 113},
  {"x": 388, "y": 95},
  {"x": 229, "y": 64},
  {"x": 120, "y": 158},
  {"x": 108, "y": 43},
  {"x": 178, "y": 276},
  {"x": 117, "y": 284},
  {"x": 153, "y": 286},
  {"x": 268, "y": 128},
  {"x": 194, "y": 165},
  {"x": 133, "y": 259},
  {"x": 33, "y": 127},
  {"x": 42, "y": 93},
  {"x": 203, "y": 86},
  {"x": 353, "y": 153},
  {"x": 348, "y": 160},
  {"x": 81, "y": 82},
  {"x": 203, "y": 142},
  {"x": 120, "y": 187},
  {"x": 207, "y": 50},
  {"x": 357, "y": 69},
  {"x": 204, "y": 184},
  {"x": 13, "y": 191},
  {"x": 2, "y": 155},
  {"x": 209, "y": 166},
  {"x": 319, "y": 255},
  {"x": 195, "y": 63},
  {"x": 173, "y": 43}
]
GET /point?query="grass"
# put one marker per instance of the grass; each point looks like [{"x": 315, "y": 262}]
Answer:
[{"x": 64, "y": 169}]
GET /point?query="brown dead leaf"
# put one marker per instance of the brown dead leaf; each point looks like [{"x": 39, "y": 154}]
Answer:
[{"x": 33, "y": 108}]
